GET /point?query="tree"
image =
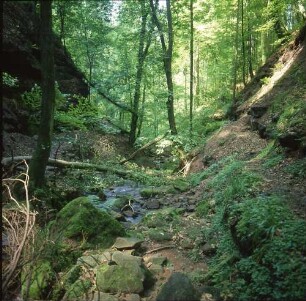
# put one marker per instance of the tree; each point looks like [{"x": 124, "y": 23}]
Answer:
[
  {"x": 43, "y": 148},
  {"x": 167, "y": 58},
  {"x": 191, "y": 68},
  {"x": 142, "y": 53}
]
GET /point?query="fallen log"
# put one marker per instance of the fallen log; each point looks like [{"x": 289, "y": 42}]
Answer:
[
  {"x": 63, "y": 164},
  {"x": 154, "y": 141}
]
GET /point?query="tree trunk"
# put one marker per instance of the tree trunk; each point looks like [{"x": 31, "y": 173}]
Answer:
[
  {"x": 235, "y": 59},
  {"x": 64, "y": 164},
  {"x": 167, "y": 60},
  {"x": 243, "y": 44},
  {"x": 43, "y": 148},
  {"x": 191, "y": 71},
  {"x": 142, "y": 53}
]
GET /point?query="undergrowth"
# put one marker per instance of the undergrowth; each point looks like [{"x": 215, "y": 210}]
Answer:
[{"x": 261, "y": 246}]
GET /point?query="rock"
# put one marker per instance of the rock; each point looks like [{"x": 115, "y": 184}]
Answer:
[
  {"x": 123, "y": 259},
  {"x": 92, "y": 261},
  {"x": 77, "y": 289},
  {"x": 120, "y": 279},
  {"x": 156, "y": 269},
  {"x": 178, "y": 288},
  {"x": 81, "y": 218},
  {"x": 126, "y": 243},
  {"x": 208, "y": 249},
  {"x": 129, "y": 213},
  {"x": 191, "y": 208},
  {"x": 158, "y": 259},
  {"x": 155, "y": 191},
  {"x": 159, "y": 235},
  {"x": 132, "y": 297},
  {"x": 290, "y": 140},
  {"x": 100, "y": 296},
  {"x": 102, "y": 196},
  {"x": 181, "y": 185},
  {"x": 258, "y": 111},
  {"x": 152, "y": 204},
  {"x": 186, "y": 243}
]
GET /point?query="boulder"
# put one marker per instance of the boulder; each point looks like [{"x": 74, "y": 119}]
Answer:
[
  {"x": 92, "y": 261},
  {"x": 258, "y": 111},
  {"x": 124, "y": 260},
  {"x": 120, "y": 279},
  {"x": 178, "y": 288},
  {"x": 152, "y": 204},
  {"x": 127, "y": 243},
  {"x": 77, "y": 289},
  {"x": 80, "y": 218}
]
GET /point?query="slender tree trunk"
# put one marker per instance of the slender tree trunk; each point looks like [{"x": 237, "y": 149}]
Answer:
[
  {"x": 142, "y": 53},
  {"x": 167, "y": 60},
  {"x": 185, "y": 90},
  {"x": 142, "y": 110},
  {"x": 243, "y": 44},
  {"x": 191, "y": 71},
  {"x": 250, "y": 65},
  {"x": 235, "y": 59},
  {"x": 43, "y": 148},
  {"x": 197, "y": 82}
]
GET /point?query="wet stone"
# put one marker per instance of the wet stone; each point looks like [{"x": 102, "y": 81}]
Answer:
[
  {"x": 152, "y": 204},
  {"x": 122, "y": 243}
]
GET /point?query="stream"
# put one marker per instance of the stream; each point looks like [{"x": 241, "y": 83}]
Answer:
[{"x": 113, "y": 195}]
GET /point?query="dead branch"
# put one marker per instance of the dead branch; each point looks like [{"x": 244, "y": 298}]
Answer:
[
  {"x": 152, "y": 142},
  {"x": 64, "y": 164},
  {"x": 18, "y": 223}
]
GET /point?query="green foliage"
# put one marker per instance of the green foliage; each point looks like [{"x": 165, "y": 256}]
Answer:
[
  {"x": 265, "y": 229},
  {"x": 298, "y": 168},
  {"x": 9, "y": 80},
  {"x": 213, "y": 169},
  {"x": 234, "y": 182},
  {"x": 204, "y": 208},
  {"x": 37, "y": 280},
  {"x": 82, "y": 114},
  {"x": 259, "y": 219},
  {"x": 78, "y": 289}
]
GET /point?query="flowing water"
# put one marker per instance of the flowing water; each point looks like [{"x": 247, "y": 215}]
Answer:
[{"x": 112, "y": 194}]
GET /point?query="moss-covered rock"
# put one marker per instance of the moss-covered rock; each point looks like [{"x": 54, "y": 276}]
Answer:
[
  {"x": 80, "y": 218},
  {"x": 78, "y": 289},
  {"x": 181, "y": 185},
  {"x": 120, "y": 279},
  {"x": 36, "y": 280},
  {"x": 178, "y": 288},
  {"x": 155, "y": 191}
]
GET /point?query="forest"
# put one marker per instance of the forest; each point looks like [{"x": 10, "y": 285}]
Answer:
[{"x": 154, "y": 150}]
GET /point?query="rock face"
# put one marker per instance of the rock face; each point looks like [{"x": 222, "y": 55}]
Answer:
[
  {"x": 21, "y": 59},
  {"x": 21, "y": 54}
]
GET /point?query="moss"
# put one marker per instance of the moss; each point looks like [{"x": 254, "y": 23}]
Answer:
[
  {"x": 79, "y": 219},
  {"x": 159, "y": 235},
  {"x": 155, "y": 191},
  {"x": 181, "y": 185},
  {"x": 78, "y": 289},
  {"x": 37, "y": 280},
  {"x": 115, "y": 278}
]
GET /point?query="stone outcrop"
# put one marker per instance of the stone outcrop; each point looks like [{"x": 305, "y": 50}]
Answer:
[
  {"x": 21, "y": 59},
  {"x": 21, "y": 54}
]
